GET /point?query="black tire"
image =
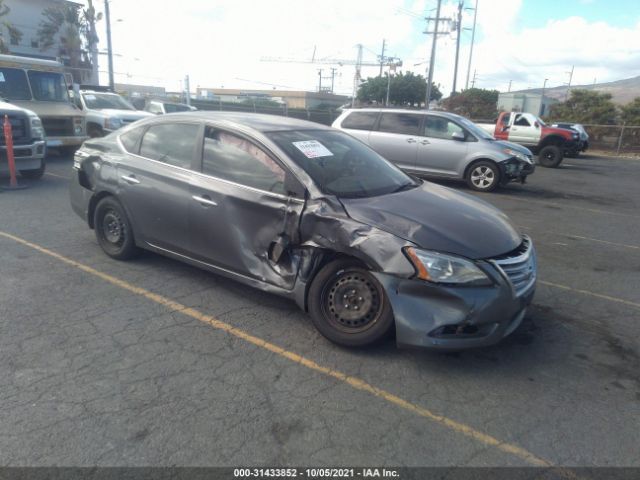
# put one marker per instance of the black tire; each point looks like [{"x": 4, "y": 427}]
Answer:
[
  {"x": 95, "y": 131},
  {"x": 344, "y": 323},
  {"x": 550, "y": 156},
  {"x": 35, "y": 173},
  {"x": 483, "y": 176},
  {"x": 113, "y": 230}
]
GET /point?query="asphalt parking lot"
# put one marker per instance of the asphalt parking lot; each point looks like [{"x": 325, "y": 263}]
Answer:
[{"x": 152, "y": 362}]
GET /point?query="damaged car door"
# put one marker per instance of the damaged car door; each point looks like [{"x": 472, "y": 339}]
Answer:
[{"x": 245, "y": 209}]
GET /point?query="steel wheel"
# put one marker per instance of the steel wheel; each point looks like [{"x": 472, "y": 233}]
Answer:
[
  {"x": 352, "y": 302},
  {"x": 113, "y": 228}
]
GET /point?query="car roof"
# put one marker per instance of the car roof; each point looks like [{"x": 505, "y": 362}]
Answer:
[
  {"x": 257, "y": 121},
  {"x": 404, "y": 110}
]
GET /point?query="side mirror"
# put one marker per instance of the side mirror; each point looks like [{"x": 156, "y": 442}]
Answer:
[
  {"x": 293, "y": 187},
  {"x": 459, "y": 136},
  {"x": 537, "y": 125}
]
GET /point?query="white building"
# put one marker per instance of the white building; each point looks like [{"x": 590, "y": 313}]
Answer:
[{"x": 26, "y": 16}]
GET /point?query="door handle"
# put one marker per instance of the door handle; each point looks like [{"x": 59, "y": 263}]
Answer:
[
  {"x": 411, "y": 140},
  {"x": 424, "y": 142},
  {"x": 204, "y": 201},
  {"x": 130, "y": 179}
]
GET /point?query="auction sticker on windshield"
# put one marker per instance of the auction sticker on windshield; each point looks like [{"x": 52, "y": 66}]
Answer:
[{"x": 313, "y": 149}]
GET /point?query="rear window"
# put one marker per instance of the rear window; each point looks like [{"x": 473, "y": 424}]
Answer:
[
  {"x": 404, "y": 123},
  {"x": 360, "y": 120}
]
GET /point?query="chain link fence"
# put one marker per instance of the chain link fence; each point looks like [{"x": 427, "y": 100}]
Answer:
[{"x": 616, "y": 139}]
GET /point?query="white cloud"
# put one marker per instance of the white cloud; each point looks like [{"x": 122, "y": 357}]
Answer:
[{"x": 221, "y": 42}]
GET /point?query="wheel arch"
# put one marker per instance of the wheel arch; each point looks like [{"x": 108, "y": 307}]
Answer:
[
  {"x": 555, "y": 140},
  {"x": 478, "y": 160}
]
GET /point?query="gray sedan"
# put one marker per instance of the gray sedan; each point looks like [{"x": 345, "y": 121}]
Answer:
[
  {"x": 439, "y": 144},
  {"x": 312, "y": 214}
]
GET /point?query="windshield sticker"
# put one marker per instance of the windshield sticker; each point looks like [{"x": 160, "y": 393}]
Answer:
[
  {"x": 313, "y": 149},
  {"x": 1, "y": 77}
]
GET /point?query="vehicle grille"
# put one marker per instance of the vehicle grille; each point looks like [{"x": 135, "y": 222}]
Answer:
[
  {"x": 58, "y": 126},
  {"x": 19, "y": 130},
  {"x": 519, "y": 266}
]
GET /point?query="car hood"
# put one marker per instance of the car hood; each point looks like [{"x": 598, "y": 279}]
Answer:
[
  {"x": 439, "y": 218},
  {"x": 514, "y": 146},
  {"x": 125, "y": 114}
]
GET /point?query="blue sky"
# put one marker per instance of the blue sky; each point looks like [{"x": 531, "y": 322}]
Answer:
[{"x": 221, "y": 42}]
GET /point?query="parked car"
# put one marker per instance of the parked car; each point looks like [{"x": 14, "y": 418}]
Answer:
[
  {"x": 309, "y": 212},
  {"x": 106, "y": 111},
  {"x": 529, "y": 130},
  {"x": 28, "y": 141},
  {"x": 582, "y": 145},
  {"x": 40, "y": 86},
  {"x": 161, "y": 107},
  {"x": 439, "y": 144}
]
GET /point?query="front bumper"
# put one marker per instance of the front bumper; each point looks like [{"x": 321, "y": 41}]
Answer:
[
  {"x": 443, "y": 317},
  {"x": 27, "y": 157},
  {"x": 515, "y": 169}
]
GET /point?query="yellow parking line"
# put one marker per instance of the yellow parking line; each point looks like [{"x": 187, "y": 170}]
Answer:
[
  {"x": 354, "y": 382},
  {"x": 591, "y": 294}
]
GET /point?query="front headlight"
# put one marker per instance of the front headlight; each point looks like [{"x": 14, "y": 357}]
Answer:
[
  {"x": 517, "y": 154},
  {"x": 113, "y": 123},
  {"x": 37, "y": 131},
  {"x": 442, "y": 268}
]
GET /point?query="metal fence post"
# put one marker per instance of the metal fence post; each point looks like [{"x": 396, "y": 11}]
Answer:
[{"x": 620, "y": 139}]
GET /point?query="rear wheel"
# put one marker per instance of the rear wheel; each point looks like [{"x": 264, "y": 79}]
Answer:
[
  {"x": 550, "y": 156},
  {"x": 113, "y": 230},
  {"x": 483, "y": 176},
  {"x": 34, "y": 173},
  {"x": 348, "y": 305}
]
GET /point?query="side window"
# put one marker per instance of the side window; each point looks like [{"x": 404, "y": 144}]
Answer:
[
  {"x": 405, "y": 123},
  {"x": 171, "y": 143},
  {"x": 522, "y": 121},
  {"x": 438, "y": 127},
  {"x": 131, "y": 139},
  {"x": 230, "y": 157},
  {"x": 360, "y": 120},
  {"x": 154, "y": 107}
]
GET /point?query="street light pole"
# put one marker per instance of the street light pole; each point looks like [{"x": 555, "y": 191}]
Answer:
[
  {"x": 541, "y": 109},
  {"x": 432, "y": 61},
  {"x": 107, "y": 16},
  {"x": 459, "y": 31},
  {"x": 473, "y": 37}
]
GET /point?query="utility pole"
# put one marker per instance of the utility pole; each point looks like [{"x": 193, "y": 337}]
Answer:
[
  {"x": 432, "y": 61},
  {"x": 333, "y": 76},
  {"x": 384, "y": 44},
  {"x": 473, "y": 37},
  {"x": 358, "y": 76},
  {"x": 541, "y": 110},
  {"x": 319, "y": 80},
  {"x": 459, "y": 30},
  {"x": 388, "y": 86},
  {"x": 475, "y": 77},
  {"x": 93, "y": 42},
  {"x": 569, "y": 84},
  {"x": 509, "y": 89},
  {"x": 187, "y": 89},
  {"x": 107, "y": 16}
]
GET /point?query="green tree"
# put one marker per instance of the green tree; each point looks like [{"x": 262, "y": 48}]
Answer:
[
  {"x": 631, "y": 112},
  {"x": 405, "y": 89},
  {"x": 72, "y": 30},
  {"x": 476, "y": 103},
  {"x": 585, "y": 106},
  {"x": 15, "y": 35}
]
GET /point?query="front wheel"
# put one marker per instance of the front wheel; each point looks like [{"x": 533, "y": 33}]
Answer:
[
  {"x": 34, "y": 173},
  {"x": 550, "y": 156},
  {"x": 349, "y": 306},
  {"x": 483, "y": 176},
  {"x": 113, "y": 230}
]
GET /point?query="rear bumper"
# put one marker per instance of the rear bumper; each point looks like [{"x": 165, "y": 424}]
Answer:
[
  {"x": 27, "y": 157},
  {"x": 79, "y": 196},
  {"x": 433, "y": 316}
]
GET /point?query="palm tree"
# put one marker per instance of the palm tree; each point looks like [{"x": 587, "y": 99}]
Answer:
[
  {"x": 15, "y": 35},
  {"x": 73, "y": 30}
]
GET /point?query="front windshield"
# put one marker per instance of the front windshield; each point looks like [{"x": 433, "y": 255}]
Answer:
[
  {"x": 13, "y": 84},
  {"x": 341, "y": 165},
  {"x": 99, "y": 101},
  {"x": 474, "y": 129},
  {"x": 48, "y": 86}
]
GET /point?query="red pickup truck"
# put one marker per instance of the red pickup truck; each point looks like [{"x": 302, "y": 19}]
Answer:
[{"x": 549, "y": 143}]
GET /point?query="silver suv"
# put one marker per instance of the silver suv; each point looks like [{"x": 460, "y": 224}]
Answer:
[{"x": 439, "y": 144}]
